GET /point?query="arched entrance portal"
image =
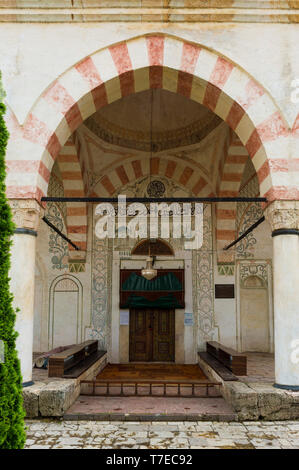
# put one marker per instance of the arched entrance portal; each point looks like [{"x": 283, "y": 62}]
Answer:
[
  {"x": 134, "y": 66},
  {"x": 152, "y": 305},
  {"x": 154, "y": 61}
]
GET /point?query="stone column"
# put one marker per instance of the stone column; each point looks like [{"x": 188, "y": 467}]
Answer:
[
  {"x": 284, "y": 219},
  {"x": 22, "y": 274}
]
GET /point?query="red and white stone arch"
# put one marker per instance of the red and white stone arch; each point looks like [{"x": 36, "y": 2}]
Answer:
[
  {"x": 226, "y": 212},
  {"x": 185, "y": 174},
  {"x": 70, "y": 169},
  {"x": 158, "y": 61}
]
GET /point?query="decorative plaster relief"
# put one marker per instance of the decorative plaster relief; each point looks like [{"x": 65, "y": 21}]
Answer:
[
  {"x": 226, "y": 269},
  {"x": 155, "y": 188},
  {"x": 57, "y": 245},
  {"x": 25, "y": 213},
  {"x": 77, "y": 267},
  {"x": 254, "y": 269},
  {"x": 101, "y": 292},
  {"x": 245, "y": 248},
  {"x": 203, "y": 283},
  {"x": 283, "y": 215}
]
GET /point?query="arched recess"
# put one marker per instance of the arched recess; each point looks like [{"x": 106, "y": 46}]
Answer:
[
  {"x": 72, "y": 178},
  {"x": 254, "y": 315},
  {"x": 66, "y": 311},
  {"x": 186, "y": 175},
  {"x": 255, "y": 326},
  {"x": 226, "y": 212},
  {"x": 156, "y": 61}
]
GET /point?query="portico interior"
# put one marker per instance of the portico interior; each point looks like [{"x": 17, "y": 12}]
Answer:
[
  {"x": 214, "y": 131},
  {"x": 188, "y": 151}
]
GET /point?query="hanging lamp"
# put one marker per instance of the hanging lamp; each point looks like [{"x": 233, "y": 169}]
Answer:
[{"x": 149, "y": 272}]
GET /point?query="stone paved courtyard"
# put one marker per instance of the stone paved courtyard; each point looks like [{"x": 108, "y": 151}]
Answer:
[{"x": 161, "y": 435}]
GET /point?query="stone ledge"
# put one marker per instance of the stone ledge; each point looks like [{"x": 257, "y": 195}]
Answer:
[
  {"x": 242, "y": 399},
  {"x": 276, "y": 404},
  {"x": 50, "y": 399},
  {"x": 256, "y": 400},
  {"x": 55, "y": 397},
  {"x": 31, "y": 399}
]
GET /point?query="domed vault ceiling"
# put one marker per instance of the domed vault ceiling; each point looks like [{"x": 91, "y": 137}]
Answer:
[{"x": 176, "y": 121}]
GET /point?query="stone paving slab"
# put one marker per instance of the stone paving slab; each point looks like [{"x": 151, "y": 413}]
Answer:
[{"x": 61, "y": 434}]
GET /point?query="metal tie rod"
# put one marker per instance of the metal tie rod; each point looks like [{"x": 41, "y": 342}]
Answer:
[
  {"x": 154, "y": 199},
  {"x": 60, "y": 233},
  {"x": 252, "y": 227}
]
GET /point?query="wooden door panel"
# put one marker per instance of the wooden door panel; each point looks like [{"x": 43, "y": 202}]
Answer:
[
  {"x": 140, "y": 336},
  {"x": 163, "y": 338},
  {"x": 152, "y": 335}
]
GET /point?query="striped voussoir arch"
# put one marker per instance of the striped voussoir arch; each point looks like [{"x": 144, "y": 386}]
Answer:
[
  {"x": 157, "y": 61},
  {"x": 226, "y": 212},
  {"x": 73, "y": 185},
  {"x": 179, "y": 171}
]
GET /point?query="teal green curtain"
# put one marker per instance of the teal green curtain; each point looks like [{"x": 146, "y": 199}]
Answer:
[
  {"x": 167, "y": 301},
  {"x": 167, "y": 282}
]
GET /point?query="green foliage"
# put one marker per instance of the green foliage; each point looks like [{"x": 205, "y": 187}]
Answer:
[{"x": 12, "y": 433}]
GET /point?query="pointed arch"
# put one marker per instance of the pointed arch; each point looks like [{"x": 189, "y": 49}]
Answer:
[
  {"x": 69, "y": 165},
  {"x": 226, "y": 213},
  {"x": 185, "y": 174},
  {"x": 157, "y": 61}
]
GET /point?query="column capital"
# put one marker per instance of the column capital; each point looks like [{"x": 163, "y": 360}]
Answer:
[
  {"x": 26, "y": 214},
  {"x": 283, "y": 215}
]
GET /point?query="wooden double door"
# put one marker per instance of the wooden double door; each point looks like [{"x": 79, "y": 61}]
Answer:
[{"x": 152, "y": 333}]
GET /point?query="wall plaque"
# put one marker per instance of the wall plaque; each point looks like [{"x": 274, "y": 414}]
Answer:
[
  {"x": 124, "y": 317},
  {"x": 188, "y": 319},
  {"x": 224, "y": 291}
]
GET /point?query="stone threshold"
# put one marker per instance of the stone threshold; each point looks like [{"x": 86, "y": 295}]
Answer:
[{"x": 149, "y": 417}]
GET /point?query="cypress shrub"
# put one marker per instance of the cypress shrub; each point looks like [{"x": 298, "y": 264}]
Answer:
[{"x": 12, "y": 432}]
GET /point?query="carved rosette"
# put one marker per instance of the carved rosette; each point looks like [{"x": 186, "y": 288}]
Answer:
[
  {"x": 283, "y": 215},
  {"x": 26, "y": 213}
]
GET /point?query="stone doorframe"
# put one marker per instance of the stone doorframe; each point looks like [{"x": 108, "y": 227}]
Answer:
[{"x": 182, "y": 260}]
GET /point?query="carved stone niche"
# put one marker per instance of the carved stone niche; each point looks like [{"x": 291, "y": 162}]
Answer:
[
  {"x": 26, "y": 213},
  {"x": 283, "y": 215}
]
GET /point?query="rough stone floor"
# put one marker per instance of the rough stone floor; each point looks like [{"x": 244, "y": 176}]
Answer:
[{"x": 161, "y": 435}]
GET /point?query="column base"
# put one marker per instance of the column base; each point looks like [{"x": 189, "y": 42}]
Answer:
[
  {"x": 27, "y": 384},
  {"x": 293, "y": 388}
]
